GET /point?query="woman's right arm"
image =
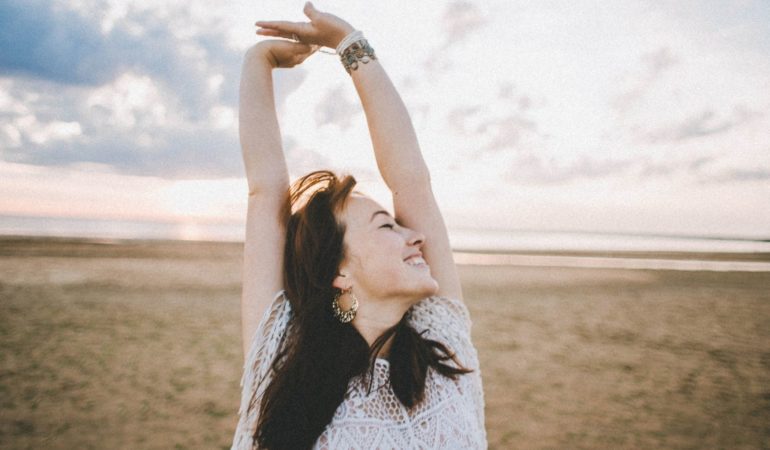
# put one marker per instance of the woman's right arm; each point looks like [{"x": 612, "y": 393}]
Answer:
[{"x": 267, "y": 177}]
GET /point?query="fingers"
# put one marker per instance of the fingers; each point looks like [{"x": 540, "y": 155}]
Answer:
[
  {"x": 281, "y": 25},
  {"x": 274, "y": 33},
  {"x": 268, "y": 32},
  {"x": 310, "y": 11}
]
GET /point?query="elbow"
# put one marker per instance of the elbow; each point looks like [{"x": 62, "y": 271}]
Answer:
[
  {"x": 410, "y": 180},
  {"x": 262, "y": 191},
  {"x": 255, "y": 55},
  {"x": 251, "y": 53},
  {"x": 276, "y": 187}
]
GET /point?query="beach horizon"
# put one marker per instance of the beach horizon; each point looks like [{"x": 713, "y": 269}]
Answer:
[{"x": 32, "y": 243}]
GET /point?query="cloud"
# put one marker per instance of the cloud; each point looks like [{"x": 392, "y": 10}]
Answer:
[
  {"x": 534, "y": 169},
  {"x": 458, "y": 117},
  {"x": 505, "y": 90},
  {"x": 531, "y": 168},
  {"x": 175, "y": 153},
  {"x": 57, "y": 45},
  {"x": 460, "y": 20},
  {"x": 739, "y": 175},
  {"x": 47, "y": 41},
  {"x": 286, "y": 81},
  {"x": 659, "y": 60},
  {"x": 506, "y": 132},
  {"x": 302, "y": 160},
  {"x": 131, "y": 126},
  {"x": 652, "y": 169},
  {"x": 154, "y": 93},
  {"x": 654, "y": 65},
  {"x": 493, "y": 133},
  {"x": 704, "y": 123},
  {"x": 336, "y": 108}
]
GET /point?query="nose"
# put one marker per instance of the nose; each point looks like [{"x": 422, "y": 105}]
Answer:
[{"x": 417, "y": 238}]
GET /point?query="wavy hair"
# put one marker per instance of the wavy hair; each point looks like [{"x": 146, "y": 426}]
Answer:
[{"x": 321, "y": 355}]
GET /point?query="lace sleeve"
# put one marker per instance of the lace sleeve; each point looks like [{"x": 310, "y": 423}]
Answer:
[
  {"x": 264, "y": 345},
  {"x": 448, "y": 321}
]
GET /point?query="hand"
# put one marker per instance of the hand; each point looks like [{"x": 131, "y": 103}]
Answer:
[
  {"x": 323, "y": 29},
  {"x": 283, "y": 54}
]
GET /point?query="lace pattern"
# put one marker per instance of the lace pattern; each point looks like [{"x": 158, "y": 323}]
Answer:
[{"x": 451, "y": 416}]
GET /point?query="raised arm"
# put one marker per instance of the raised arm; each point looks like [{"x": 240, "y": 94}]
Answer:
[
  {"x": 395, "y": 144},
  {"x": 267, "y": 177},
  {"x": 403, "y": 168}
]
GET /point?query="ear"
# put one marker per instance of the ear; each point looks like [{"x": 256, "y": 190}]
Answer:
[{"x": 342, "y": 282}]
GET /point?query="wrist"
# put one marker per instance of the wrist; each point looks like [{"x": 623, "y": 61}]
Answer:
[
  {"x": 354, "y": 49},
  {"x": 339, "y": 37},
  {"x": 260, "y": 55}
]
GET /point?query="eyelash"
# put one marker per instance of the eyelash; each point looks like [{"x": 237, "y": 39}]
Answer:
[{"x": 388, "y": 225}]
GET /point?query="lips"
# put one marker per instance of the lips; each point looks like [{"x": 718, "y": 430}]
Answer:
[{"x": 416, "y": 260}]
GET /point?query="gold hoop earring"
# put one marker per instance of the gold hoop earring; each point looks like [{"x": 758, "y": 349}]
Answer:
[{"x": 344, "y": 316}]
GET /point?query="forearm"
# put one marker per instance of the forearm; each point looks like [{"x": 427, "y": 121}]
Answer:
[
  {"x": 258, "y": 126},
  {"x": 396, "y": 148}
]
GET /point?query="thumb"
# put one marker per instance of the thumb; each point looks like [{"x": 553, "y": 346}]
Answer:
[{"x": 310, "y": 10}]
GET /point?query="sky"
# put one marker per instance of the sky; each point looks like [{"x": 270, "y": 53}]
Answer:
[{"x": 627, "y": 116}]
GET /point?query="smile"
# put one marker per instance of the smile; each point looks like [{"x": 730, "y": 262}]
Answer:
[{"x": 416, "y": 261}]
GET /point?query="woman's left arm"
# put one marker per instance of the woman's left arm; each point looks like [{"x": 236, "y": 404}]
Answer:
[{"x": 403, "y": 168}]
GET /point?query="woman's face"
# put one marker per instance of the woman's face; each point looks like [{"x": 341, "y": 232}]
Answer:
[{"x": 378, "y": 250}]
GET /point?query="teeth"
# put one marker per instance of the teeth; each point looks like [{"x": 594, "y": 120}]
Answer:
[{"x": 414, "y": 261}]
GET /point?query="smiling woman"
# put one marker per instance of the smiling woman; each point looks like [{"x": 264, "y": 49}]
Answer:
[{"x": 355, "y": 334}]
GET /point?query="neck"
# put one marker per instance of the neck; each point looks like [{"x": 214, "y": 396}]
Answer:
[{"x": 374, "y": 320}]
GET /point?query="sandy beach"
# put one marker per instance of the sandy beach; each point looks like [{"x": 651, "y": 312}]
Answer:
[{"x": 136, "y": 344}]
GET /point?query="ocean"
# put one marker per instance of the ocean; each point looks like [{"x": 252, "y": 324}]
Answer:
[{"x": 468, "y": 240}]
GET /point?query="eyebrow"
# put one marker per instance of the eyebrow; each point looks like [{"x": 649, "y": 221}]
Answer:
[{"x": 379, "y": 212}]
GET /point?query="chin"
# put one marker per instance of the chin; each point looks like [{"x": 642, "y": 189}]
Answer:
[
  {"x": 431, "y": 288},
  {"x": 424, "y": 291}
]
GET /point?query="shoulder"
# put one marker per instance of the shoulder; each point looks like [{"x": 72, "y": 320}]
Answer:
[
  {"x": 436, "y": 310},
  {"x": 263, "y": 347},
  {"x": 270, "y": 331},
  {"x": 446, "y": 319}
]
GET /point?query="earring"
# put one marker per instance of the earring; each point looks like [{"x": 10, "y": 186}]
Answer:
[{"x": 344, "y": 316}]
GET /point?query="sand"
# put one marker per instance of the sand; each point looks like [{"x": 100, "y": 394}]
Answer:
[{"x": 129, "y": 344}]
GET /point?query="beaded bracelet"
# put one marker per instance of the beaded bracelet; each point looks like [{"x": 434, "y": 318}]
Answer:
[{"x": 355, "y": 52}]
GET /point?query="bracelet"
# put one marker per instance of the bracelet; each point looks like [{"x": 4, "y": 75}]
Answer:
[
  {"x": 353, "y": 36},
  {"x": 355, "y": 52}
]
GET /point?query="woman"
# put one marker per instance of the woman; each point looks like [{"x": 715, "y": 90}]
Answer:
[{"x": 355, "y": 334}]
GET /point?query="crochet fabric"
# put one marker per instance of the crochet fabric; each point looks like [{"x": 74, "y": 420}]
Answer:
[{"x": 451, "y": 415}]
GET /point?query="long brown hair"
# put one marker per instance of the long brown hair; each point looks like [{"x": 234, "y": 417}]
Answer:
[{"x": 321, "y": 355}]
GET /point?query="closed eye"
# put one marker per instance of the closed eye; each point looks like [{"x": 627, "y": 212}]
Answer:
[{"x": 388, "y": 225}]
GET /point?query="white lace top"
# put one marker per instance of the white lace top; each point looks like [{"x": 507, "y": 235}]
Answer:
[{"x": 451, "y": 415}]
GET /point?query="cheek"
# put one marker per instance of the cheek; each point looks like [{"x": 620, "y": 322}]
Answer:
[
  {"x": 382, "y": 251},
  {"x": 381, "y": 257}
]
